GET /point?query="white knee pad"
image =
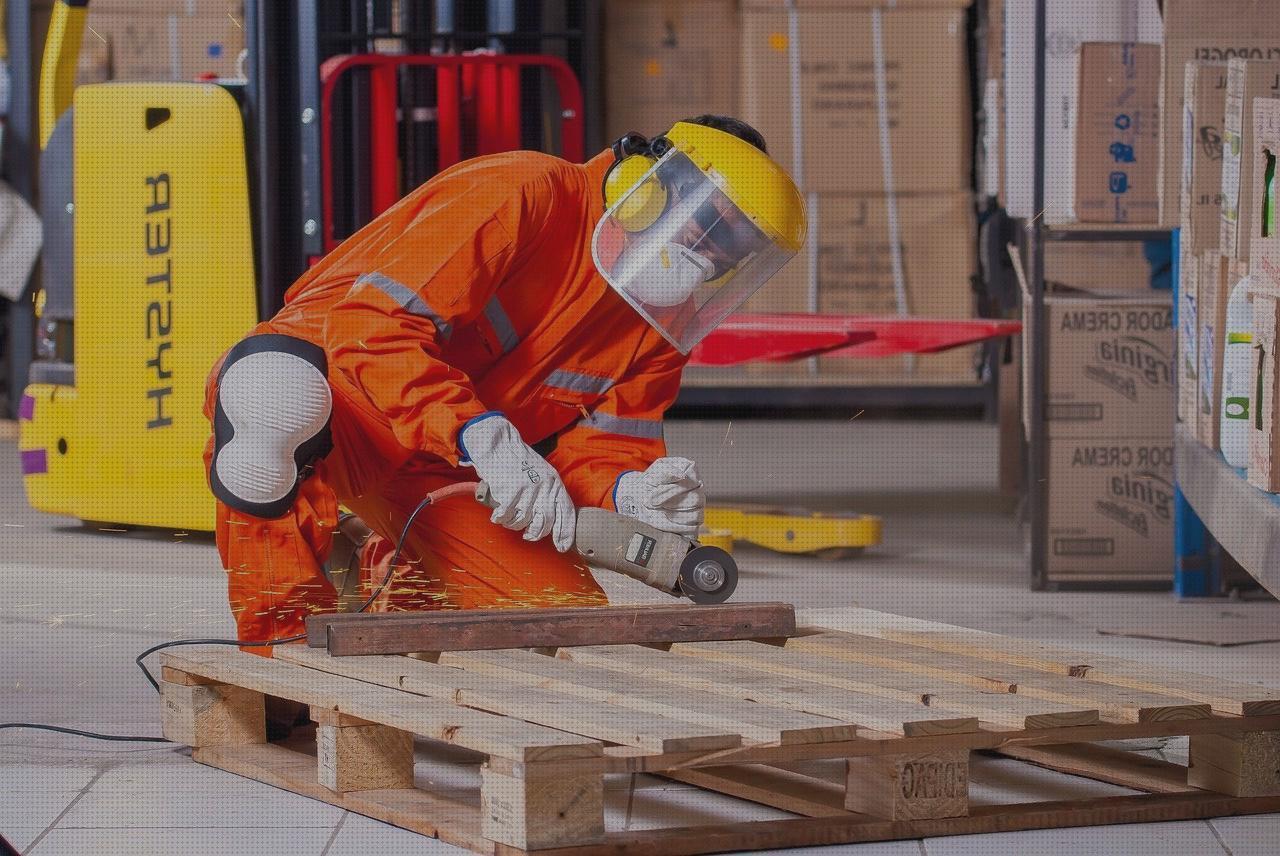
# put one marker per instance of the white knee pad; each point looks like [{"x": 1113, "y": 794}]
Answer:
[{"x": 272, "y": 419}]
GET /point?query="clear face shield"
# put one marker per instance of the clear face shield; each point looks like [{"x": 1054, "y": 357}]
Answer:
[{"x": 693, "y": 265}]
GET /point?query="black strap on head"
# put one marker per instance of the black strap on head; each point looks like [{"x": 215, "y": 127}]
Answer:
[{"x": 630, "y": 143}]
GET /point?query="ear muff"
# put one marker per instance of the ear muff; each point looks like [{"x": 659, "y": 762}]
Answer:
[{"x": 633, "y": 157}]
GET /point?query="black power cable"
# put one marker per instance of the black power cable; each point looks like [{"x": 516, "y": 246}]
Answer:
[{"x": 239, "y": 643}]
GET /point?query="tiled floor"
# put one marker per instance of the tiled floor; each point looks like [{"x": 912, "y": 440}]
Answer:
[{"x": 79, "y": 604}]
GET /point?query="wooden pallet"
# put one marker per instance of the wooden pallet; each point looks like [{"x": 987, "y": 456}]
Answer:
[{"x": 898, "y": 704}]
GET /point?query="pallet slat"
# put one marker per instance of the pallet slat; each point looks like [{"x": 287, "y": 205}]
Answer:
[
  {"x": 1122, "y": 703},
  {"x": 1222, "y": 695},
  {"x": 878, "y": 714},
  {"x": 484, "y": 630},
  {"x": 470, "y": 729},
  {"x": 998, "y": 708},
  {"x": 756, "y": 722},
  {"x": 557, "y": 710}
]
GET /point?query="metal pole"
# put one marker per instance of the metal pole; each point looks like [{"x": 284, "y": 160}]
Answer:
[
  {"x": 20, "y": 169},
  {"x": 309, "y": 182},
  {"x": 1037, "y": 377}
]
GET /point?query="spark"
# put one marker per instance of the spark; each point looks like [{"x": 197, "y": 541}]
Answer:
[
  {"x": 16, "y": 525},
  {"x": 234, "y": 21},
  {"x": 856, "y": 415},
  {"x": 96, "y": 33}
]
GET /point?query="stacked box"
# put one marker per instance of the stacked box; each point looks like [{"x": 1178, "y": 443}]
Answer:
[
  {"x": 868, "y": 106},
  {"x": 1246, "y": 80},
  {"x": 1109, "y": 415},
  {"x": 159, "y": 40},
  {"x": 1264, "y": 292},
  {"x": 1216, "y": 32},
  {"x": 1118, "y": 133},
  {"x": 668, "y": 61},
  {"x": 1069, "y": 25}
]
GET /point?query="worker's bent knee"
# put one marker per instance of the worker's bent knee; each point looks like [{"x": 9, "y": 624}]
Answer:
[{"x": 271, "y": 421}]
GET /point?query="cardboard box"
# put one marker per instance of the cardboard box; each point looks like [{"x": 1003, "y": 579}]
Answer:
[
  {"x": 666, "y": 61},
  {"x": 1111, "y": 366},
  {"x": 1196, "y": 30},
  {"x": 850, "y": 238},
  {"x": 1200, "y": 183},
  {"x": 1264, "y": 245},
  {"x": 1068, "y": 26},
  {"x": 1110, "y": 508},
  {"x": 1211, "y": 316},
  {"x": 912, "y": 83},
  {"x": 1188, "y": 338},
  {"x": 1117, "y": 133},
  {"x": 166, "y": 47},
  {"x": 1112, "y": 267},
  {"x": 1246, "y": 80},
  {"x": 1264, "y": 453}
]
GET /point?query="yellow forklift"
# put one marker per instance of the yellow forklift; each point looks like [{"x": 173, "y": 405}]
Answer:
[{"x": 177, "y": 213}]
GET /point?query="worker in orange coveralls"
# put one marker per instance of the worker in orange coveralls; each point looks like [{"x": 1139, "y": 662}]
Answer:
[{"x": 517, "y": 319}]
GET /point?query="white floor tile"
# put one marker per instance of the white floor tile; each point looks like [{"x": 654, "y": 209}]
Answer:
[
  {"x": 32, "y": 810},
  {"x": 1193, "y": 838},
  {"x": 362, "y": 836},
  {"x": 167, "y": 842},
  {"x": 191, "y": 796},
  {"x": 653, "y": 808},
  {"x": 1255, "y": 835}
]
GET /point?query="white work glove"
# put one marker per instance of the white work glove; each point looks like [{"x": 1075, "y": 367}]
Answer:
[
  {"x": 527, "y": 490},
  {"x": 667, "y": 496}
]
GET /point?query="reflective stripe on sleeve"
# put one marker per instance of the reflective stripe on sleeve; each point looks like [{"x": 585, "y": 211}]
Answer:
[
  {"x": 408, "y": 300},
  {"x": 501, "y": 325},
  {"x": 578, "y": 382},
  {"x": 643, "y": 429}
]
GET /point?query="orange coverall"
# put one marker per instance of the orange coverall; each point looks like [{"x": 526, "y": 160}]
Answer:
[{"x": 476, "y": 292}]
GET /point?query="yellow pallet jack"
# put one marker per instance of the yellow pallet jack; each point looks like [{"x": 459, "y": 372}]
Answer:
[{"x": 829, "y": 536}]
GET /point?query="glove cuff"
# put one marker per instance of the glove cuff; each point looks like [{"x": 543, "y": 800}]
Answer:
[
  {"x": 462, "y": 446},
  {"x": 622, "y": 501}
]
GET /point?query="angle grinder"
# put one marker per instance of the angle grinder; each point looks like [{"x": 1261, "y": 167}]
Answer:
[{"x": 664, "y": 560}]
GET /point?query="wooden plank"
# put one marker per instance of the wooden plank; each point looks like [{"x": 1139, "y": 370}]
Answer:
[
  {"x": 910, "y": 787},
  {"x": 429, "y": 814},
  {"x": 1105, "y": 764},
  {"x": 996, "y": 707},
  {"x": 438, "y": 720},
  {"x": 1222, "y": 695},
  {"x": 780, "y": 789},
  {"x": 879, "y": 714},
  {"x": 1246, "y": 764},
  {"x": 754, "y": 721},
  {"x": 485, "y": 630},
  {"x": 553, "y": 709},
  {"x": 1122, "y": 703}
]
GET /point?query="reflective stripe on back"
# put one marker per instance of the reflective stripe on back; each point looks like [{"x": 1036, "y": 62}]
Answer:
[
  {"x": 644, "y": 429},
  {"x": 578, "y": 382},
  {"x": 408, "y": 300},
  {"x": 502, "y": 325}
]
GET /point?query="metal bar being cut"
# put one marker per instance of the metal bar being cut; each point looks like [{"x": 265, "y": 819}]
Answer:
[{"x": 491, "y": 629}]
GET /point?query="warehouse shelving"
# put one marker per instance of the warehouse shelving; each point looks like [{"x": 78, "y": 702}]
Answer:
[
  {"x": 1035, "y": 234},
  {"x": 1221, "y": 503}
]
